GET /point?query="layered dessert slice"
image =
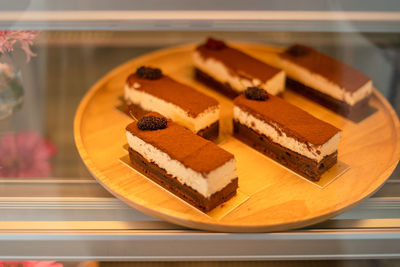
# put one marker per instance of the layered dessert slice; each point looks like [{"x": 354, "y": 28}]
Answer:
[
  {"x": 285, "y": 133},
  {"x": 230, "y": 71},
  {"x": 149, "y": 90},
  {"x": 189, "y": 166},
  {"x": 326, "y": 80}
]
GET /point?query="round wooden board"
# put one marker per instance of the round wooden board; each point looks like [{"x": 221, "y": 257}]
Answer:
[{"x": 279, "y": 200}]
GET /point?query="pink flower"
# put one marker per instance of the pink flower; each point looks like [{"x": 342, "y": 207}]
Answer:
[
  {"x": 25, "y": 38},
  {"x": 25, "y": 154},
  {"x": 30, "y": 264}
]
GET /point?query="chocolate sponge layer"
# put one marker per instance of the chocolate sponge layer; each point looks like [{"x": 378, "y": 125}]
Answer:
[
  {"x": 172, "y": 184},
  {"x": 356, "y": 113},
  {"x": 286, "y": 157},
  {"x": 224, "y": 89}
]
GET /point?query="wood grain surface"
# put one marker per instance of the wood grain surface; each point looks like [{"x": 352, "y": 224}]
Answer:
[{"x": 278, "y": 200}]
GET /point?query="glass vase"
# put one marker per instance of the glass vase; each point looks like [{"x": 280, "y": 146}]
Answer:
[{"x": 11, "y": 89}]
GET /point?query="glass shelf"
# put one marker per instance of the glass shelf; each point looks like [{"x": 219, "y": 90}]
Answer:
[
  {"x": 254, "y": 15},
  {"x": 67, "y": 208}
]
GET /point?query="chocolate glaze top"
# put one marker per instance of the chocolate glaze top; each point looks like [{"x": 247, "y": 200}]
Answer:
[
  {"x": 184, "y": 146},
  {"x": 181, "y": 95},
  {"x": 348, "y": 78},
  {"x": 290, "y": 119},
  {"x": 239, "y": 63}
]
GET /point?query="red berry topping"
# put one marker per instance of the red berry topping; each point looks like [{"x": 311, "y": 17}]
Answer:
[
  {"x": 215, "y": 44},
  {"x": 151, "y": 123},
  {"x": 255, "y": 93},
  {"x": 298, "y": 50},
  {"x": 149, "y": 73}
]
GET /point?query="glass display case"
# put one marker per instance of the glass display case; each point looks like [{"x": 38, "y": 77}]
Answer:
[{"x": 51, "y": 204}]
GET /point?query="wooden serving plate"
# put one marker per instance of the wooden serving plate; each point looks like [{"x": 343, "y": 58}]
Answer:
[{"x": 278, "y": 199}]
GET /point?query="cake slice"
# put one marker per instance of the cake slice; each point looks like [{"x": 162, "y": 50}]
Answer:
[
  {"x": 285, "y": 133},
  {"x": 326, "y": 80},
  {"x": 230, "y": 71},
  {"x": 149, "y": 90},
  {"x": 189, "y": 166}
]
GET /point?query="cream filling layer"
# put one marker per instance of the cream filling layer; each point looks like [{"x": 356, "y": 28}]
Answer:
[
  {"x": 311, "y": 151},
  {"x": 177, "y": 114},
  {"x": 219, "y": 72},
  {"x": 322, "y": 84},
  {"x": 206, "y": 185}
]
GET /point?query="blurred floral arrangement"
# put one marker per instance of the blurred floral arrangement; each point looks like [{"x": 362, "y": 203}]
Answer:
[
  {"x": 26, "y": 38},
  {"x": 22, "y": 154},
  {"x": 11, "y": 90},
  {"x": 25, "y": 154},
  {"x": 8, "y": 40},
  {"x": 30, "y": 264}
]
